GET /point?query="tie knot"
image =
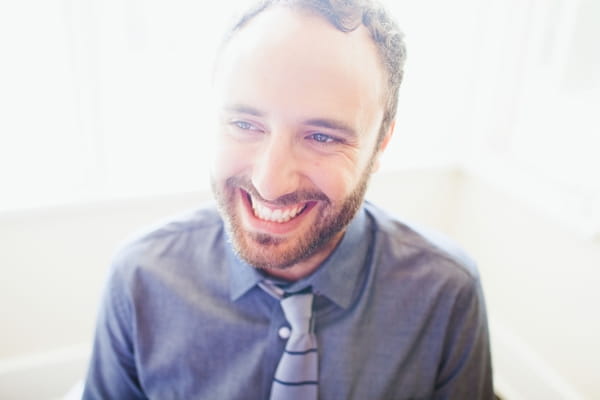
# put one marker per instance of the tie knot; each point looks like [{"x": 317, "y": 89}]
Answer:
[{"x": 298, "y": 311}]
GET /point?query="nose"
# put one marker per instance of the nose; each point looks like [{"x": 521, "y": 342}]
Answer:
[{"x": 275, "y": 171}]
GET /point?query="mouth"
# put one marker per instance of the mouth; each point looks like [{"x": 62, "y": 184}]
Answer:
[{"x": 276, "y": 214}]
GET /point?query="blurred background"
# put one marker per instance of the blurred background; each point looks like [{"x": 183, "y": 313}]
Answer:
[{"x": 104, "y": 109}]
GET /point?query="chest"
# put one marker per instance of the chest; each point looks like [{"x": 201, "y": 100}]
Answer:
[{"x": 216, "y": 351}]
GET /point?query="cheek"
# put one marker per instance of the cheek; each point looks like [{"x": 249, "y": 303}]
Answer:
[
  {"x": 229, "y": 159},
  {"x": 335, "y": 179},
  {"x": 338, "y": 177}
]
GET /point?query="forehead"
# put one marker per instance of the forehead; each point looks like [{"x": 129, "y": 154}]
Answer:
[{"x": 303, "y": 55}]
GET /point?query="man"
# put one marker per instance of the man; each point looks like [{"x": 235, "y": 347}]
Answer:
[{"x": 306, "y": 94}]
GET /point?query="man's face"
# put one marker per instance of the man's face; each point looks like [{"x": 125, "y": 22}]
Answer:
[{"x": 300, "y": 107}]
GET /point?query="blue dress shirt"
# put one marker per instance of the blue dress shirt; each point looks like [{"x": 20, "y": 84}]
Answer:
[{"x": 399, "y": 315}]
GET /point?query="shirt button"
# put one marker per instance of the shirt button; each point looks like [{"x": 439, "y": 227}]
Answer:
[{"x": 284, "y": 332}]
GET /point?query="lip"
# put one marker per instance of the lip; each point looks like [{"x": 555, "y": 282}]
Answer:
[{"x": 274, "y": 228}]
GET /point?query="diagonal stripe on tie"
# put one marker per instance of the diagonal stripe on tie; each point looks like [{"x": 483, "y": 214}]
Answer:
[
  {"x": 297, "y": 368},
  {"x": 298, "y": 353},
  {"x": 296, "y": 383}
]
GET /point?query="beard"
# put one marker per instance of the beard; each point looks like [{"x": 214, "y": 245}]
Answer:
[{"x": 265, "y": 251}]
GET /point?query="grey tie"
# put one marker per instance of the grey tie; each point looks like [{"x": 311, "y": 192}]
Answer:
[{"x": 296, "y": 377}]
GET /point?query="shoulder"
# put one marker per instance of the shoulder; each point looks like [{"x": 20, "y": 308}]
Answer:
[
  {"x": 180, "y": 237},
  {"x": 414, "y": 252}
]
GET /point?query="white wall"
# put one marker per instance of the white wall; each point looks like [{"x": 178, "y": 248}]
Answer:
[
  {"x": 540, "y": 282},
  {"x": 53, "y": 266}
]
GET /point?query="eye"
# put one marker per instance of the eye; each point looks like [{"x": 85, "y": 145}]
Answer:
[
  {"x": 244, "y": 125},
  {"x": 323, "y": 138}
]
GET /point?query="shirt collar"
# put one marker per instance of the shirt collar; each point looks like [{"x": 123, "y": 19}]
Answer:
[
  {"x": 338, "y": 276},
  {"x": 243, "y": 276}
]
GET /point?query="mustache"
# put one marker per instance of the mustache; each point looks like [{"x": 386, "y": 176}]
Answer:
[{"x": 299, "y": 196}]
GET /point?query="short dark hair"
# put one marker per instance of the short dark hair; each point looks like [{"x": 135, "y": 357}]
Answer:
[{"x": 346, "y": 16}]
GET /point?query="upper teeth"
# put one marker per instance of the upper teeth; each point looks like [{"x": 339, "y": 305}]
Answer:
[{"x": 277, "y": 215}]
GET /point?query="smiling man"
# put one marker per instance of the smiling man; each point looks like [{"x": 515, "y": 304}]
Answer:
[
  {"x": 294, "y": 287},
  {"x": 301, "y": 113}
]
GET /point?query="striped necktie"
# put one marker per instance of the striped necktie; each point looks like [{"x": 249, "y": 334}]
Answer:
[{"x": 296, "y": 377}]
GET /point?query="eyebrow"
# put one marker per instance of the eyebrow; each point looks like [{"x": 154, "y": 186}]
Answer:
[
  {"x": 244, "y": 109},
  {"x": 333, "y": 125}
]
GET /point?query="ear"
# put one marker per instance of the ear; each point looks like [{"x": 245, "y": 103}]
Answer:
[{"x": 383, "y": 145}]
